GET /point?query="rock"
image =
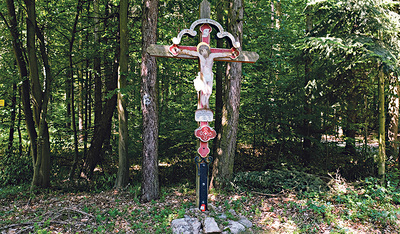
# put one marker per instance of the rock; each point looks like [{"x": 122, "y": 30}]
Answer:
[
  {"x": 210, "y": 226},
  {"x": 211, "y": 207},
  {"x": 233, "y": 212},
  {"x": 195, "y": 211},
  {"x": 245, "y": 222},
  {"x": 223, "y": 216},
  {"x": 234, "y": 227},
  {"x": 186, "y": 226}
]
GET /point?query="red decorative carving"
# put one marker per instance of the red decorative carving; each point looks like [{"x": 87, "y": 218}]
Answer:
[
  {"x": 233, "y": 50},
  {"x": 205, "y": 33},
  {"x": 203, "y": 149},
  {"x": 205, "y": 133}
]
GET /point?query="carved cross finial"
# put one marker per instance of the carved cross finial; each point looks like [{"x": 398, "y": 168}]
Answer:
[{"x": 205, "y": 9}]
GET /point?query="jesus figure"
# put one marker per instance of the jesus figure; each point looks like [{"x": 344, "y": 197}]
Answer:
[{"x": 204, "y": 80}]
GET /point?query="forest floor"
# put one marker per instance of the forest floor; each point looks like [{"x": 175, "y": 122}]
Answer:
[{"x": 121, "y": 212}]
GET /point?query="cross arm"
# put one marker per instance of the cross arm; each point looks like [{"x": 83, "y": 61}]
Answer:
[{"x": 163, "y": 51}]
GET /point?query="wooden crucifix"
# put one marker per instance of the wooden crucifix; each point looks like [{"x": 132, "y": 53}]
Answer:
[{"x": 203, "y": 83}]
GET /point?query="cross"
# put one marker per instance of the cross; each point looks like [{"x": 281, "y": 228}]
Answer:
[{"x": 203, "y": 83}]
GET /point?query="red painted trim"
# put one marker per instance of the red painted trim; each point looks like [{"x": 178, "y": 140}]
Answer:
[
  {"x": 205, "y": 39},
  {"x": 213, "y": 50},
  {"x": 205, "y": 133},
  {"x": 203, "y": 149}
]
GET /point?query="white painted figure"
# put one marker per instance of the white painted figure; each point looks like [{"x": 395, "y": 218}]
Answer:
[{"x": 204, "y": 80}]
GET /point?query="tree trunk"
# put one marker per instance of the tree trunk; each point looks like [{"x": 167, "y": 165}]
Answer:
[
  {"x": 307, "y": 98},
  {"x": 13, "y": 116},
  {"x": 102, "y": 114},
  {"x": 123, "y": 163},
  {"x": 23, "y": 71},
  {"x": 393, "y": 113},
  {"x": 102, "y": 130},
  {"x": 95, "y": 154},
  {"x": 98, "y": 100},
  {"x": 219, "y": 81},
  {"x": 150, "y": 181},
  {"x": 72, "y": 94},
  {"x": 381, "y": 118},
  {"x": 81, "y": 98},
  {"x": 110, "y": 73},
  {"x": 41, "y": 161},
  {"x": 19, "y": 129},
  {"x": 224, "y": 161},
  {"x": 43, "y": 127},
  {"x": 350, "y": 125}
]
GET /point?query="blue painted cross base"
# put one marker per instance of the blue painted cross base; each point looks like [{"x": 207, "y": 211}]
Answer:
[
  {"x": 203, "y": 190},
  {"x": 202, "y": 169}
]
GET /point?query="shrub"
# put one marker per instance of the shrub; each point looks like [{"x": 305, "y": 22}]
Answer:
[
  {"x": 15, "y": 169},
  {"x": 276, "y": 181}
]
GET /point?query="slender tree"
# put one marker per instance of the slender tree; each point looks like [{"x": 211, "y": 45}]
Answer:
[
  {"x": 382, "y": 119},
  {"x": 102, "y": 120},
  {"x": 219, "y": 80},
  {"x": 150, "y": 181},
  {"x": 224, "y": 161},
  {"x": 71, "y": 86},
  {"x": 393, "y": 115},
  {"x": 13, "y": 116},
  {"x": 123, "y": 163},
  {"x": 36, "y": 117},
  {"x": 307, "y": 98},
  {"x": 98, "y": 84},
  {"x": 41, "y": 172}
]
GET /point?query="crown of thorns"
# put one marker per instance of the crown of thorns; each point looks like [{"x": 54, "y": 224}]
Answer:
[{"x": 202, "y": 44}]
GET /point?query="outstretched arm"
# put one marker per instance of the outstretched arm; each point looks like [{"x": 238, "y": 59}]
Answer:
[
  {"x": 221, "y": 55},
  {"x": 187, "y": 52}
]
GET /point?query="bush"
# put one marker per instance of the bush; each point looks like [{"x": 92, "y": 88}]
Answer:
[
  {"x": 15, "y": 169},
  {"x": 276, "y": 181}
]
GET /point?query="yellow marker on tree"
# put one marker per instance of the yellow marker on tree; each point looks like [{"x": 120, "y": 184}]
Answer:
[{"x": 1, "y": 102}]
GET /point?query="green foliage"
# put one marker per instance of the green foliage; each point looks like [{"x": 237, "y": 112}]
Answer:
[
  {"x": 271, "y": 100},
  {"x": 14, "y": 192},
  {"x": 369, "y": 201},
  {"x": 277, "y": 181},
  {"x": 15, "y": 169}
]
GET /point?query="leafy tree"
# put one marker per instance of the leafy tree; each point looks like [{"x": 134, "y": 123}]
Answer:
[
  {"x": 102, "y": 123},
  {"x": 360, "y": 39},
  {"x": 224, "y": 161},
  {"x": 36, "y": 115}
]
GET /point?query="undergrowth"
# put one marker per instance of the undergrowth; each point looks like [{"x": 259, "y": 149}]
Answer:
[
  {"x": 277, "y": 181},
  {"x": 318, "y": 204},
  {"x": 306, "y": 205}
]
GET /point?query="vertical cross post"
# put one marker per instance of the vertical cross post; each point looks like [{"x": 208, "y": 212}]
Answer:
[{"x": 202, "y": 162}]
